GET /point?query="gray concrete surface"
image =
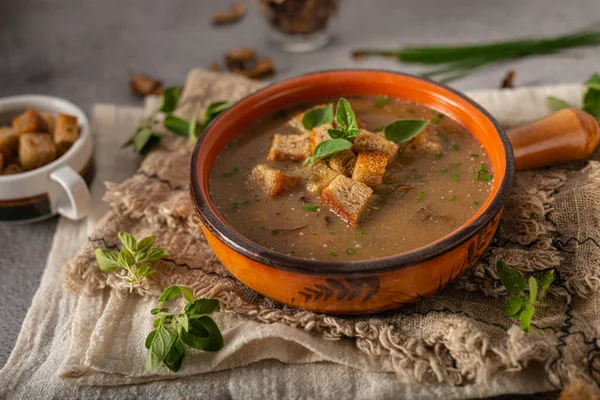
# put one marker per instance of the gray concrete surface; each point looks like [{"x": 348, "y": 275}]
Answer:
[{"x": 83, "y": 50}]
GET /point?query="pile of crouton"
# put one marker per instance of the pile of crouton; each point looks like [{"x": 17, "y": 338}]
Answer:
[
  {"x": 34, "y": 140},
  {"x": 346, "y": 181}
]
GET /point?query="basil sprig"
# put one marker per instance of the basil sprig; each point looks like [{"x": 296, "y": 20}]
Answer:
[
  {"x": 317, "y": 117},
  {"x": 591, "y": 99},
  {"x": 347, "y": 124},
  {"x": 137, "y": 258},
  {"x": 521, "y": 306},
  {"x": 327, "y": 149},
  {"x": 404, "y": 129},
  {"x": 145, "y": 137},
  {"x": 174, "y": 332}
]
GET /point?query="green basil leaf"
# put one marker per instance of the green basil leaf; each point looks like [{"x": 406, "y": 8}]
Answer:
[
  {"x": 533, "y": 288},
  {"x": 336, "y": 133},
  {"x": 184, "y": 322},
  {"x": 187, "y": 293},
  {"x": 344, "y": 116},
  {"x": 155, "y": 310},
  {"x": 169, "y": 293},
  {"x": 128, "y": 241},
  {"x": 317, "y": 117},
  {"x": 107, "y": 259},
  {"x": 155, "y": 254},
  {"x": 177, "y": 125},
  {"x": 214, "y": 109},
  {"x": 513, "y": 307},
  {"x": 144, "y": 140},
  {"x": 327, "y": 149},
  {"x": 404, "y": 129},
  {"x": 203, "y": 334},
  {"x": 161, "y": 345},
  {"x": 149, "y": 339},
  {"x": 192, "y": 127},
  {"x": 381, "y": 101},
  {"x": 142, "y": 270},
  {"x": 175, "y": 357},
  {"x": 556, "y": 104},
  {"x": 169, "y": 99},
  {"x": 591, "y": 103},
  {"x": 512, "y": 279},
  {"x": 593, "y": 82},
  {"x": 145, "y": 244},
  {"x": 525, "y": 318},
  {"x": 125, "y": 259},
  {"x": 157, "y": 322},
  {"x": 201, "y": 307},
  {"x": 545, "y": 282}
]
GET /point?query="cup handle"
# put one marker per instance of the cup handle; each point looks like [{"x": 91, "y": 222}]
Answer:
[
  {"x": 77, "y": 203},
  {"x": 565, "y": 136}
]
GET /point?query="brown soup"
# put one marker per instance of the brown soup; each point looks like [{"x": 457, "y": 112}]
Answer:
[{"x": 433, "y": 185}]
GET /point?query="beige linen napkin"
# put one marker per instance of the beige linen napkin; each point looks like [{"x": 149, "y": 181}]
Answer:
[{"x": 108, "y": 326}]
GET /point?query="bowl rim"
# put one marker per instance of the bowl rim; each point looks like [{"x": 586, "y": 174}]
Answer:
[{"x": 239, "y": 243}]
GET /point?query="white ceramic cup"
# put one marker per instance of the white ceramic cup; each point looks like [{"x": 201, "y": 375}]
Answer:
[{"x": 55, "y": 188}]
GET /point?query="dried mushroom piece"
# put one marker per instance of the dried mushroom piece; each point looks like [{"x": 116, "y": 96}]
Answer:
[
  {"x": 36, "y": 150},
  {"x": 508, "y": 81},
  {"x": 263, "y": 68},
  {"x": 235, "y": 13},
  {"x": 144, "y": 85},
  {"x": 12, "y": 169},
  {"x": 9, "y": 141},
  {"x": 239, "y": 58},
  {"x": 298, "y": 17},
  {"x": 29, "y": 121}
]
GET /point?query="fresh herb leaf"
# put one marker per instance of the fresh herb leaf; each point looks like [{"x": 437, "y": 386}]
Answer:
[
  {"x": 350, "y": 251},
  {"x": 473, "y": 155},
  {"x": 452, "y": 198},
  {"x": 175, "y": 357},
  {"x": 456, "y": 177},
  {"x": 155, "y": 254},
  {"x": 169, "y": 99},
  {"x": 455, "y": 147},
  {"x": 332, "y": 254},
  {"x": 203, "y": 334},
  {"x": 525, "y": 317},
  {"x": 345, "y": 117},
  {"x": 439, "y": 155},
  {"x": 107, "y": 259},
  {"x": 161, "y": 345},
  {"x": 317, "y": 117},
  {"x": 593, "y": 82},
  {"x": 545, "y": 282},
  {"x": 374, "y": 208},
  {"x": 556, "y": 104},
  {"x": 475, "y": 203},
  {"x": 591, "y": 103},
  {"x": 145, "y": 244},
  {"x": 420, "y": 195},
  {"x": 149, "y": 339},
  {"x": 177, "y": 125},
  {"x": 328, "y": 148},
  {"x": 533, "y": 289},
  {"x": 213, "y": 110},
  {"x": 201, "y": 307},
  {"x": 456, "y": 164},
  {"x": 192, "y": 128},
  {"x": 437, "y": 119},
  {"x": 307, "y": 207},
  {"x": 233, "y": 171},
  {"x": 443, "y": 136},
  {"x": 128, "y": 241},
  {"x": 360, "y": 234},
  {"x": 336, "y": 133},
  {"x": 379, "y": 128},
  {"x": 381, "y": 101},
  {"x": 404, "y": 129},
  {"x": 513, "y": 280},
  {"x": 513, "y": 306},
  {"x": 482, "y": 174},
  {"x": 444, "y": 170}
]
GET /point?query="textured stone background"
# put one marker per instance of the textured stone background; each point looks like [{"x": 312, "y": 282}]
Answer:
[{"x": 83, "y": 50}]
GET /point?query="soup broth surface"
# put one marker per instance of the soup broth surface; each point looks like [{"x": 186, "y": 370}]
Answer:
[{"x": 427, "y": 196}]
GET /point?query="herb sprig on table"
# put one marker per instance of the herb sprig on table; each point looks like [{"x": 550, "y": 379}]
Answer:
[
  {"x": 455, "y": 62},
  {"x": 137, "y": 258},
  {"x": 347, "y": 128},
  {"x": 520, "y": 306},
  {"x": 146, "y": 136},
  {"x": 174, "y": 332},
  {"x": 591, "y": 99}
]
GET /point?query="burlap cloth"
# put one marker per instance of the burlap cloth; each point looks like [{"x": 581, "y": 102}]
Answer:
[{"x": 456, "y": 344}]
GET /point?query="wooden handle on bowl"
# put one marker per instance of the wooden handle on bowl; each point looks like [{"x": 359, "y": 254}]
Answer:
[{"x": 565, "y": 136}]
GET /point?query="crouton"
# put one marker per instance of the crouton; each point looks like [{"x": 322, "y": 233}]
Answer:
[
  {"x": 36, "y": 150},
  {"x": 272, "y": 181},
  {"x": 66, "y": 130},
  {"x": 320, "y": 177},
  {"x": 426, "y": 141},
  {"x": 343, "y": 162},
  {"x": 346, "y": 198},
  {"x": 318, "y": 135},
  {"x": 9, "y": 141},
  {"x": 289, "y": 147},
  {"x": 371, "y": 142},
  {"x": 49, "y": 120},
  {"x": 29, "y": 121},
  {"x": 370, "y": 167},
  {"x": 11, "y": 169}
]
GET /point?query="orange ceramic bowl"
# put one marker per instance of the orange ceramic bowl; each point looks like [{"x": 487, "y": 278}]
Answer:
[{"x": 361, "y": 286}]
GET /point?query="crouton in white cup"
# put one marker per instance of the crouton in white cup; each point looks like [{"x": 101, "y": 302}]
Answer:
[{"x": 59, "y": 187}]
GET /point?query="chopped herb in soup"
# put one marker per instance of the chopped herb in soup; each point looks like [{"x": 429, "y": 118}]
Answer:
[{"x": 353, "y": 179}]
